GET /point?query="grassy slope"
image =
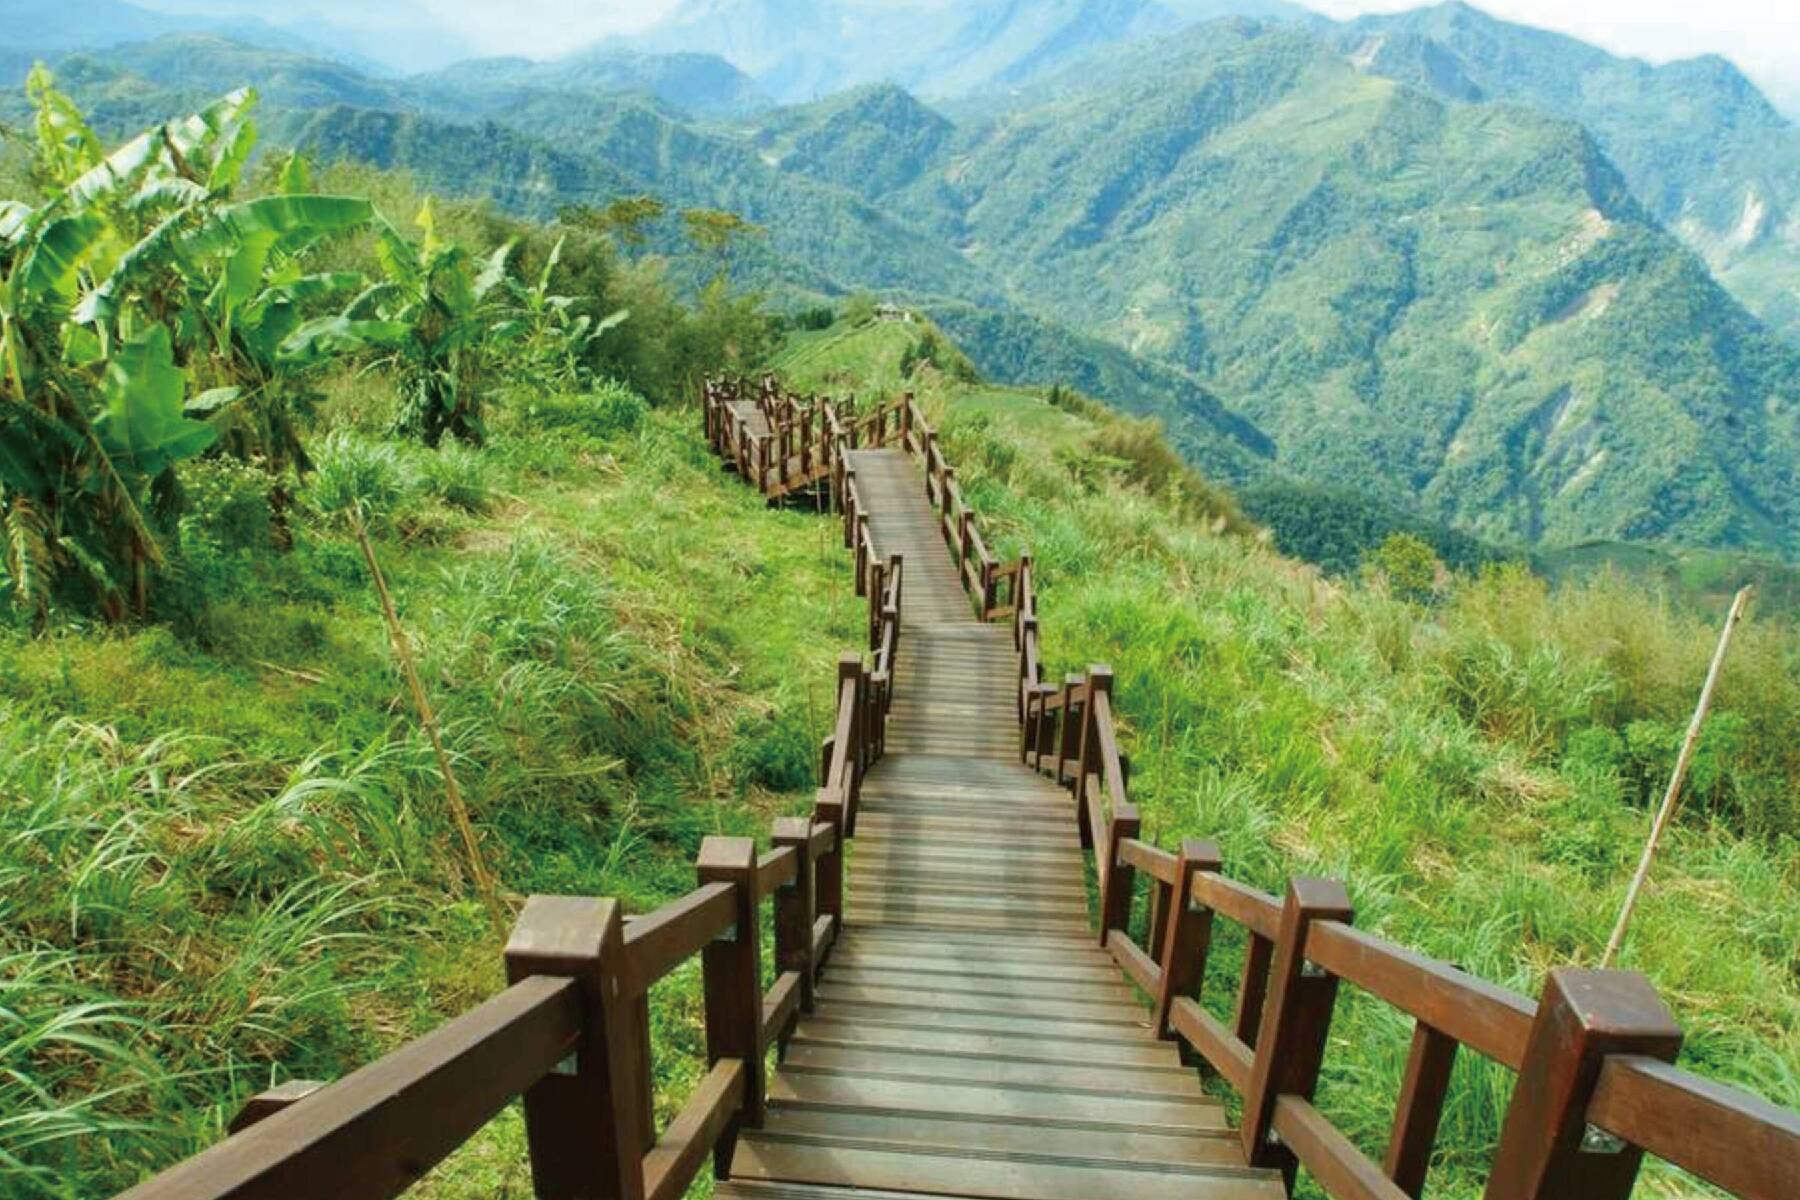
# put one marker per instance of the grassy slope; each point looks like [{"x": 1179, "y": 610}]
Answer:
[
  {"x": 1440, "y": 761},
  {"x": 238, "y": 840}
]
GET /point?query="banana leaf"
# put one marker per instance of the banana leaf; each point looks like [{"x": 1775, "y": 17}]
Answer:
[{"x": 144, "y": 428}]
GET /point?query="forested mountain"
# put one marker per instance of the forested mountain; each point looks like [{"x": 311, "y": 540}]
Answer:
[
  {"x": 1460, "y": 306},
  {"x": 1307, "y": 267},
  {"x": 1704, "y": 150},
  {"x": 380, "y": 38}
]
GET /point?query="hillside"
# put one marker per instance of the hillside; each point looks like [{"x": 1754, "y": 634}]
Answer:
[
  {"x": 1452, "y": 305},
  {"x": 1303, "y": 268},
  {"x": 1705, "y": 152},
  {"x": 803, "y": 49},
  {"x": 1477, "y": 766},
  {"x": 231, "y": 849}
]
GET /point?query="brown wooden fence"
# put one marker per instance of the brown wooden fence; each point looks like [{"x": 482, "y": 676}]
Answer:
[{"x": 571, "y": 1034}]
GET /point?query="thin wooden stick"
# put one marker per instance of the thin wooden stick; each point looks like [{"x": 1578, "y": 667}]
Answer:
[
  {"x": 1667, "y": 811},
  {"x": 484, "y": 879}
]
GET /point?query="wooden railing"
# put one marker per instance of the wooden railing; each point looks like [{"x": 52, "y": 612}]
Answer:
[
  {"x": 1596, "y": 1088},
  {"x": 571, "y": 1035}
]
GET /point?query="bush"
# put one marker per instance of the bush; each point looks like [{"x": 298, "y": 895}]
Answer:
[
  {"x": 458, "y": 476},
  {"x": 228, "y": 504},
  {"x": 610, "y": 410},
  {"x": 354, "y": 473},
  {"x": 773, "y": 752},
  {"x": 815, "y": 319}
]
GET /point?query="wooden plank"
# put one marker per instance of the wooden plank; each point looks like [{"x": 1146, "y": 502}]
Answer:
[
  {"x": 1737, "y": 1141},
  {"x": 920, "y": 1131},
  {"x": 1342, "y": 1170},
  {"x": 1109, "y": 1012},
  {"x": 1208, "y": 1036},
  {"x": 861, "y": 1093},
  {"x": 1490, "y": 1020},
  {"x": 375, "y": 1132},
  {"x": 658, "y": 942},
  {"x": 998, "y": 1176},
  {"x": 824, "y": 1030},
  {"x": 884, "y": 1063},
  {"x": 690, "y": 1137}
]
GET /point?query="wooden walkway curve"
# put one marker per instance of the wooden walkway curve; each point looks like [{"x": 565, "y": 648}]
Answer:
[
  {"x": 971, "y": 1038},
  {"x": 952, "y": 1017}
]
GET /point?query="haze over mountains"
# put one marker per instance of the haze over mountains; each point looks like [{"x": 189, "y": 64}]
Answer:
[{"x": 1434, "y": 256}]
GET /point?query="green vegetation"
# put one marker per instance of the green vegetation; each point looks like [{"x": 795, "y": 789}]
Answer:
[
  {"x": 225, "y": 850},
  {"x": 222, "y": 840},
  {"x": 1480, "y": 770},
  {"x": 1310, "y": 262}
]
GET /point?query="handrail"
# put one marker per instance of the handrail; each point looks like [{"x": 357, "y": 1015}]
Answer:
[
  {"x": 1597, "y": 1088},
  {"x": 1302, "y": 946},
  {"x": 571, "y": 1035}
]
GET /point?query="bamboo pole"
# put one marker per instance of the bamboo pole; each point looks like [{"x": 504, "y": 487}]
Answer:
[
  {"x": 459, "y": 811},
  {"x": 1667, "y": 812}
]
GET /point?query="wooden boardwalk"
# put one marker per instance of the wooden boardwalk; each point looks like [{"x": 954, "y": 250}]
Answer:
[
  {"x": 951, "y": 1019},
  {"x": 970, "y": 1036}
]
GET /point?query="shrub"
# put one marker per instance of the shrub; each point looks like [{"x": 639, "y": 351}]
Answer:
[
  {"x": 354, "y": 473},
  {"x": 228, "y": 504},
  {"x": 773, "y": 752},
  {"x": 610, "y": 410},
  {"x": 1407, "y": 563},
  {"x": 458, "y": 476}
]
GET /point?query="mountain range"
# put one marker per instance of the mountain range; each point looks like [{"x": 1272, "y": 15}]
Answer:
[{"x": 1432, "y": 256}]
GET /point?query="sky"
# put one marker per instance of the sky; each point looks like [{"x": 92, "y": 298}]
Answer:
[{"x": 1761, "y": 36}]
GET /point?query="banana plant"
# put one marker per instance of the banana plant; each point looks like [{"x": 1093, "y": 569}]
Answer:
[
  {"x": 141, "y": 317},
  {"x": 556, "y": 339},
  {"x": 432, "y": 317}
]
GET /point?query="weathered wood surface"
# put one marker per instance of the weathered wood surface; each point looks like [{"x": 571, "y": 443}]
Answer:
[{"x": 970, "y": 1039}]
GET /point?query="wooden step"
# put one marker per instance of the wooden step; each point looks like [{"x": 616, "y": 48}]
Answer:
[
  {"x": 883, "y": 1063},
  {"x": 855, "y": 972},
  {"x": 996, "y": 1175},
  {"x": 1040, "y": 1106},
  {"x": 1106, "y": 1011},
  {"x": 968, "y": 1021},
  {"x": 825, "y": 1030},
  {"x": 916, "y": 1131}
]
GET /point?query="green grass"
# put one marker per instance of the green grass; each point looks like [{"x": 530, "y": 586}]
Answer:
[
  {"x": 223, "y": 842},
  {"x": 1478, "y": 771}
]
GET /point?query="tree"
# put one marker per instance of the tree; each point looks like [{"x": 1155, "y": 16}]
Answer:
[
  {"x": 626, "y": 219},
  {"x": 1408, "y": 564},
  {"x": 713, "y": 232}
]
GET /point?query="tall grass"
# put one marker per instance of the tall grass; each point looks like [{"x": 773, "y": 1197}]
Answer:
[
  {"x": 1479, "y": 771},
  {"x": 224, "y": 859}
]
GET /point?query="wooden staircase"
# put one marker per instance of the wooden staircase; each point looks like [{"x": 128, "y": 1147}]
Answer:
[
  {"x": 970, "y": 1037},
  {"x": 950, "y": 1020}
]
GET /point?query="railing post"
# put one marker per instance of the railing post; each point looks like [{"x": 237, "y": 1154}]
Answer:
[
  {"x": 906, "y": 423},
  {"x": 1069, "y": 744},
  {"x": 794, "y": 909},
  {"x": 733, "y": 982},
  {"x": 585, "y": 1128},
  {"x": 1117, "y": 880},
  {"x": 847, "y": 498},
  {"x": 1189, "y": 933},
  {"x": 1292, "y": 1044},
  {"x": 1099, "y": 683},
  {"x": 828, "y": 884},
  {"x": 877, "y": 592},
  {"x": 863, "y": 540},
  {"x": 850, "y": 670},
  {"x": 946, "y": 481},
  {"x": 1546, "y": 1150},
  {"x": 930, "y": 445}
]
